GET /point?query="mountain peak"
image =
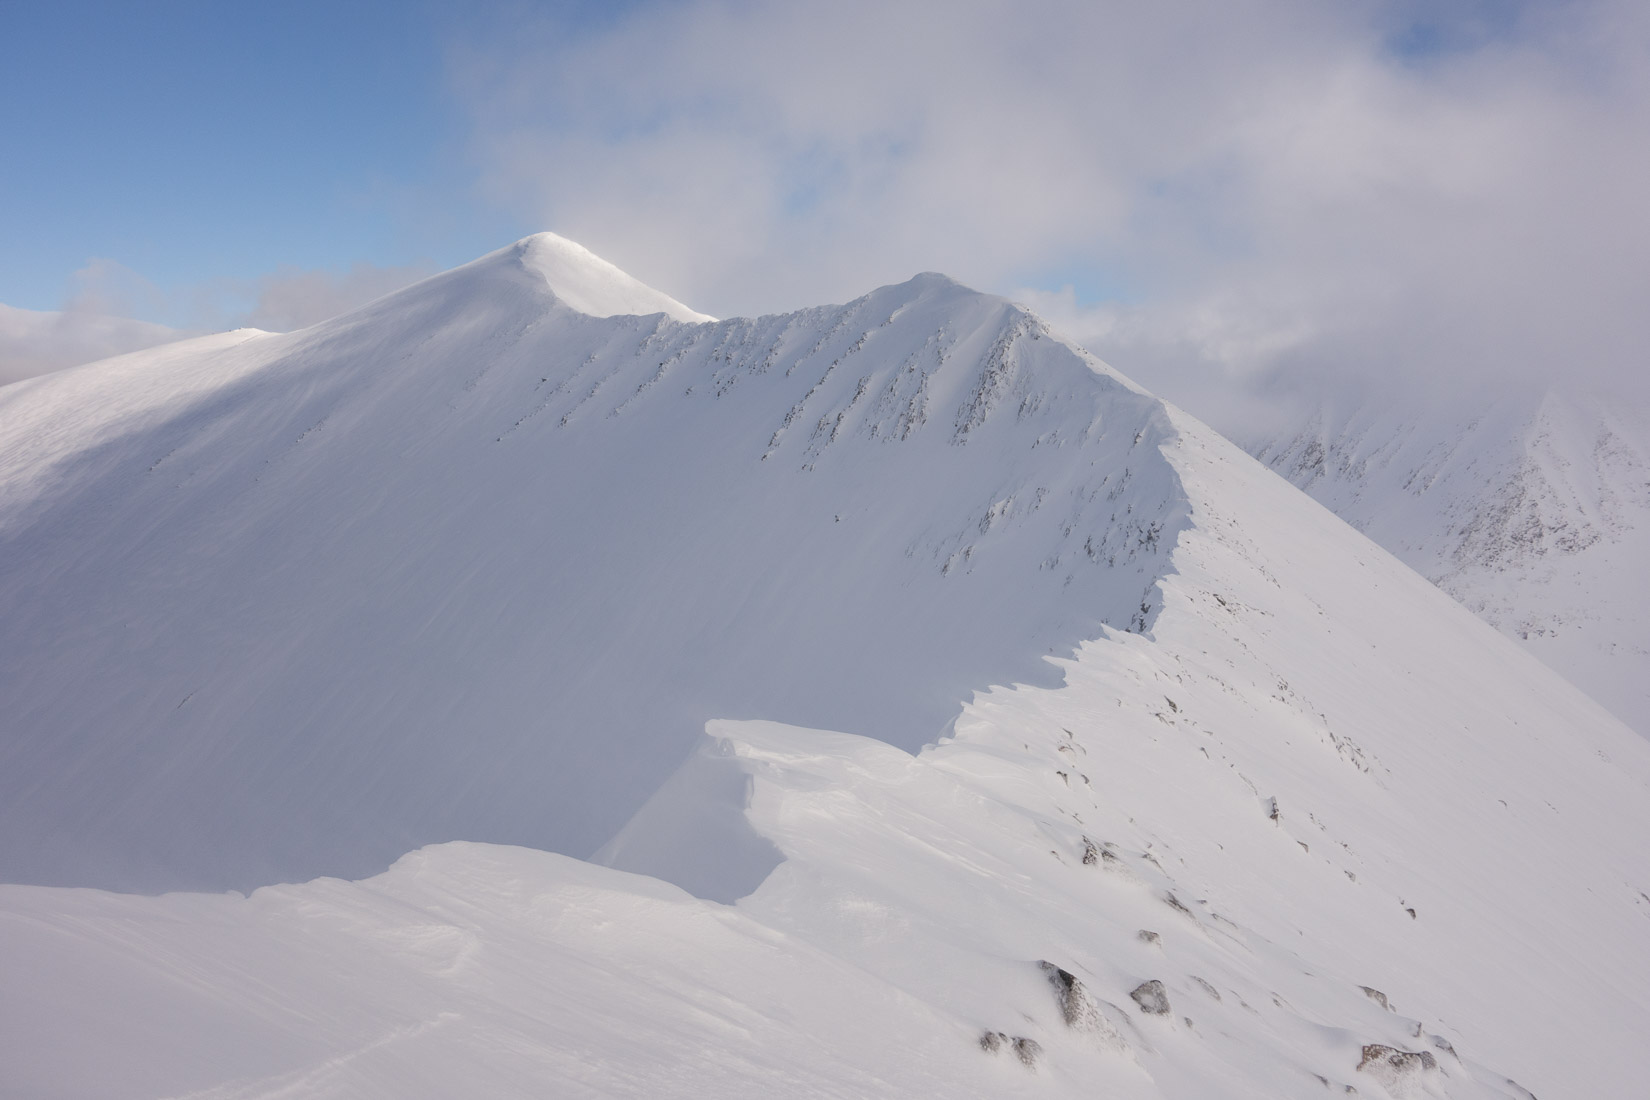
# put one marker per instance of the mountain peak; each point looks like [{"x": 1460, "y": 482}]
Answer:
[
  {"x": 469, "y": 562},
  {"x": 584, "y": 281}
]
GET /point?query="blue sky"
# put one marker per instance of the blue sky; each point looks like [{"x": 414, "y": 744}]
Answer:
[
  {"x": 199, "y": 141},
  {"x": 1197, "y": 189}
]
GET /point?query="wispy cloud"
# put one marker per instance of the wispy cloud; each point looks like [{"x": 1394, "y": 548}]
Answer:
[
  {"x": 35, "y": 342},
  {"x": 293, "y": 298},
  {"x": 104, "y": 300},
  {"x": 1395, "y": 192}
]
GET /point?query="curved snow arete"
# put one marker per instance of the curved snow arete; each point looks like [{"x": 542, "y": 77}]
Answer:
[
  {"x": 1320, "y": 830},
  {"x": 470, "y": 563}
]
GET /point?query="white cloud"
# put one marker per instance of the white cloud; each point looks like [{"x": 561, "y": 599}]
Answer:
[
  {"x": 293, "y": 298},
  {"x": 35, "y": 342},
  {"x": 98, "y": 316},
  {"x": 94, "y": 323},
  {"x": 1276, "y": 185}
]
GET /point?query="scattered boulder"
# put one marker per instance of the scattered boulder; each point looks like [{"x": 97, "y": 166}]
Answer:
[
  {"x": 1443, "y": 1044},
  {"x": 1075, "y": 1003},
  {"x": 1091, "y": 854},
  {"x": 1178, "y": 906},
  {"x": 1028, "y": 1051},
  {"x": 1079, "y": 1009},
  {"x": 1398, "y": 1070},
  {"x": 1149, "y": 937},
  {"x": 1152, "y": 998},
  {"x": 1377, "y": 996}
]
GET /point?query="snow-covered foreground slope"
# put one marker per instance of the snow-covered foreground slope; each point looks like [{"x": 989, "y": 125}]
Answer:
[
  {"x": 472, "y": 564},
  {"x": 1533, "y": 511},
  {"x": 1171, "y": 871},
  {"x": 1316, "y": 774}
]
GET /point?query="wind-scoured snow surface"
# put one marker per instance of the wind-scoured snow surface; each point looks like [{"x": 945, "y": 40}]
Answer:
[
  {"x": 1534, "y": 512},
  {"x": 1290, "y": 822},
  {"x": 472, "y": 564}
]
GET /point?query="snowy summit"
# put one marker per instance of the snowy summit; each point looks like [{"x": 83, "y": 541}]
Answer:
[
  {"x": 881, "y": 699},
  {"x": 586, "y": 282}
]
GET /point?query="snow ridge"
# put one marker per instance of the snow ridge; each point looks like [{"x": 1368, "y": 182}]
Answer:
[
  {"x": 1285, "y": 821},
  {"x": 386, "y": 576}
]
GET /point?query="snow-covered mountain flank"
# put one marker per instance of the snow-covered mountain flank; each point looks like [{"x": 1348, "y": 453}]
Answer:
[
  {"x": 474, "y": 563},
  {"x": 1533, "y": 511},
  {"x": 1154, "y": 779}
]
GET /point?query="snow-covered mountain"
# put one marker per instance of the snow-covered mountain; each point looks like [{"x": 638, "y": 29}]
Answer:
[
  {"x": 1533, "y": 511},
  {"x": 474, "y": 563},
  {"x": 1263, "y": 813}
]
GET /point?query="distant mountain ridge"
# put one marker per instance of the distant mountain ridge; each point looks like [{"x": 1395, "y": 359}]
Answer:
[{"x": 1534, "y": 512}]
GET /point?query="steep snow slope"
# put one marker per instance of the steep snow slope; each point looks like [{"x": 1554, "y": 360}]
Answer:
[
  {"x": 1356, "y": 838},
  {"x": 472, "y": 564},
  {"x": 1533, "y": 511}
]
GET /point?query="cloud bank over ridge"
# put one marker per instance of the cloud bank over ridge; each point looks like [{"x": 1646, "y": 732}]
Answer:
[
  {"x": 100, "y": 313},
  {"x": 1207, "y": 194}
]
